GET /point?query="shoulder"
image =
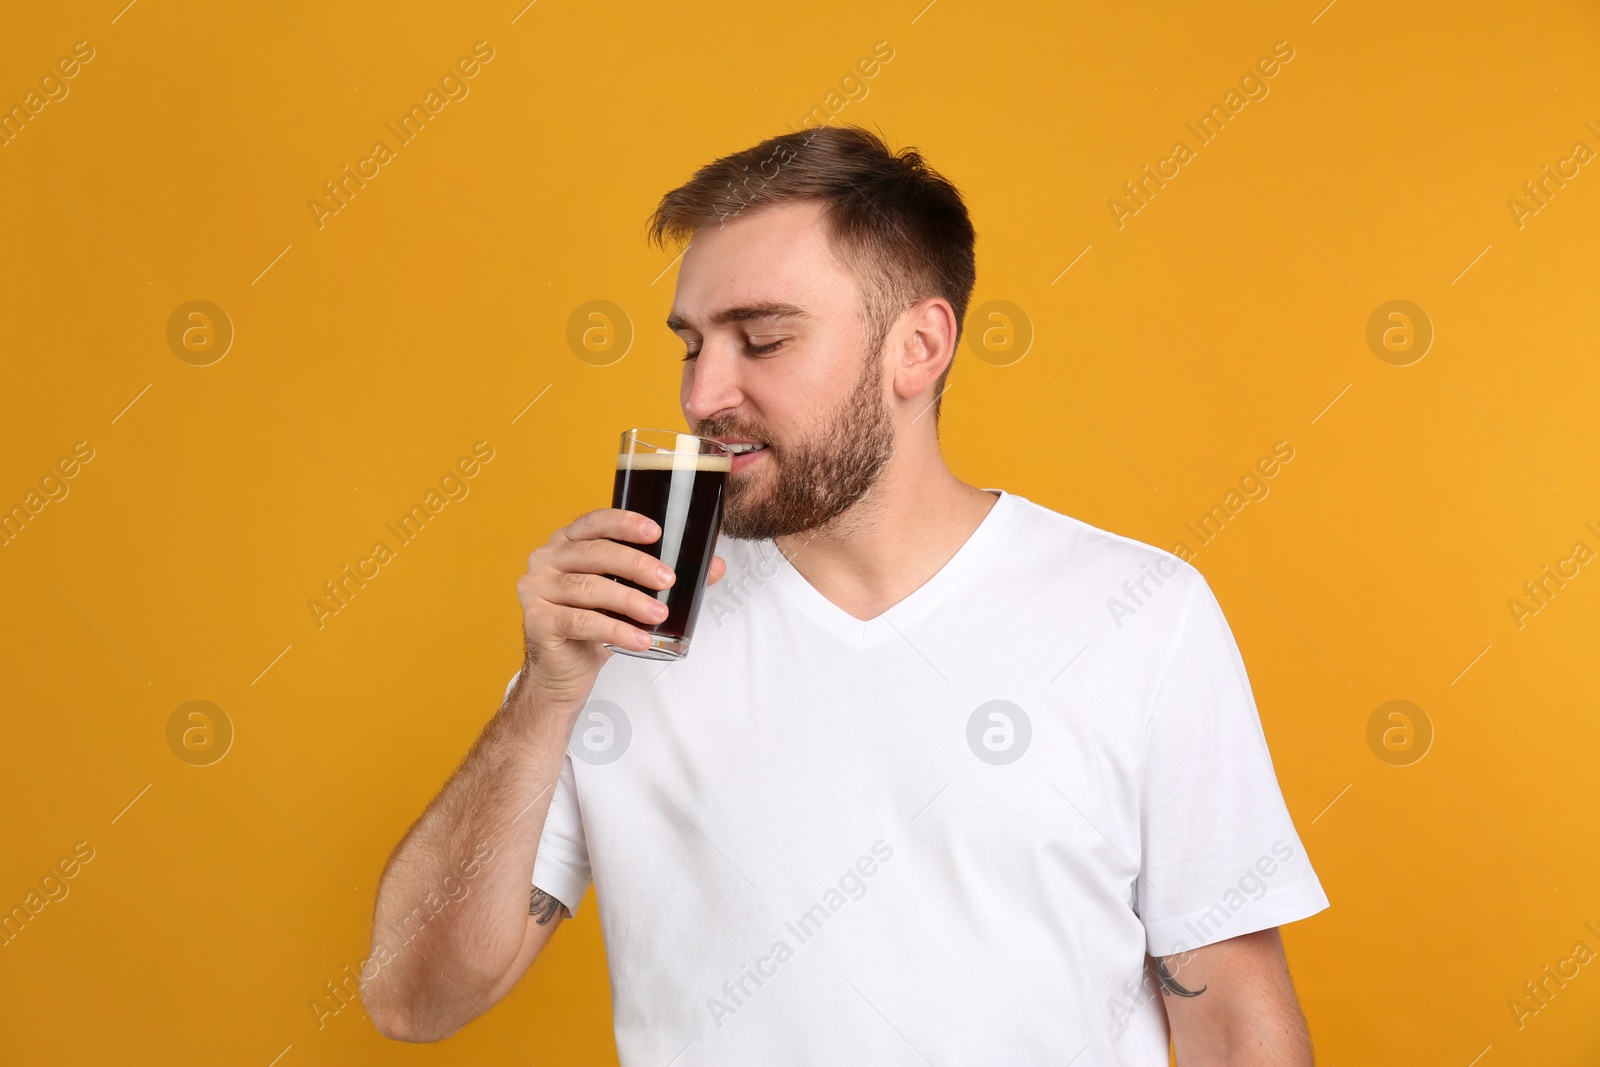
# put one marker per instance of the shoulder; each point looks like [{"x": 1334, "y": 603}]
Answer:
[
  {"x": 1089, "y": 550},
  {"x": 1118, "y": 585}
]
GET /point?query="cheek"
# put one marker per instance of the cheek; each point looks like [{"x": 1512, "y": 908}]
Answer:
[{"x": 827, "y": 369}]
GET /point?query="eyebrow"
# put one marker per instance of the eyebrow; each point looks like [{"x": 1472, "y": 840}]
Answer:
[{"x": 769, "y": 310}]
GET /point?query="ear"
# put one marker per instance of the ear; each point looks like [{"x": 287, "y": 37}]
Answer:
[{"x": 927, "y": 333}]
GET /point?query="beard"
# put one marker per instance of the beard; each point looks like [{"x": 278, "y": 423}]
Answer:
[{"x": 815, "y": 481}]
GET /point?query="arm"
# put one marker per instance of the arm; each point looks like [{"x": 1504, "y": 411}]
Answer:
[
  {"x": 437, "y": 964},
  {"x": 1232, "y": 1004},
  {"x": 438, "y": 967}
]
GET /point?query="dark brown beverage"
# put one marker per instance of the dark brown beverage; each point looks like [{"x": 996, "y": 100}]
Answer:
[{"x": 682, "y": 493}]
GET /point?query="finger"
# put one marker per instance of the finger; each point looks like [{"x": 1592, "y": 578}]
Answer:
[
  {"x": 581, "y": 589},
  {"x": 613, "y": 522},
  {"x": 719, "y": 567},
  {"x": 611, "y": 558},
  {"x": 581, "y": 624}
]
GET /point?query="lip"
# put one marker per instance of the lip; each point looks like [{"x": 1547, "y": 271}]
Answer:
[{"x": 741, "y": 462}]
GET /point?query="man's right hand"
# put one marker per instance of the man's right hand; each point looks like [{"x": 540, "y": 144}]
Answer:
[{"x": 568, "y": 580}]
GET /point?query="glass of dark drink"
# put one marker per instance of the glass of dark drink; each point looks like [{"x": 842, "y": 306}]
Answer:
[{"x": 676, "y": 480}]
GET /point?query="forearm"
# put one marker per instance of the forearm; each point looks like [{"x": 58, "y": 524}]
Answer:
[
  {"x": 442, "y": 942},
  {"x": 1271, "y": 1038},
  {"x": 1233, "y": 1004}
]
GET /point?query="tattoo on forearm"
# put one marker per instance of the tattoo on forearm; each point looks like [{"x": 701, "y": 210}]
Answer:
[
  {"x": 1170, "y": 984},
  {"x": 543, "y": 906}
]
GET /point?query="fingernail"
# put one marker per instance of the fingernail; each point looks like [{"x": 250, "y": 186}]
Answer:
[{"x": 663, "y": 573}]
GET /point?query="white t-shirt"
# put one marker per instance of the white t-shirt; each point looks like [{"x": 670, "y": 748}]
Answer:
[{"x": 948, "y": 834}]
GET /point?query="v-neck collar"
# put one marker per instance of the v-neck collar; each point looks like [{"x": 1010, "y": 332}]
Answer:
[{"x": 834, "y": 619}]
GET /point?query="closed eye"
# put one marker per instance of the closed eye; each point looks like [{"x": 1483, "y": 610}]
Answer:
[{"x": 750, "y": 349}]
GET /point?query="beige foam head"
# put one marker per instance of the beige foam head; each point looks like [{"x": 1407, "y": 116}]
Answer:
[{"x": 673, "y": 461}]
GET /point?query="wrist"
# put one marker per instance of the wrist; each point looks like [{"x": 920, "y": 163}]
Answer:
[{"x": 532, "y": 700}]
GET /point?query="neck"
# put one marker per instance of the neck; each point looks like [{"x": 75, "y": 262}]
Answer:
[{"x": 896, "y": 537}]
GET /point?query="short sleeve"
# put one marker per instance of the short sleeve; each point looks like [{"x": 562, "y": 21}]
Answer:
[
  {"x": 1220, "y": 856},
  {"x": 561, "y": 867}
]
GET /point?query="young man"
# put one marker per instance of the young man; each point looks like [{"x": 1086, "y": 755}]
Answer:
[{"x": 917, "y": 796}]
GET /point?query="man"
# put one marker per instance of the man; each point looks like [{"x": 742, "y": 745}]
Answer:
[{"x": 916, "y": 796}]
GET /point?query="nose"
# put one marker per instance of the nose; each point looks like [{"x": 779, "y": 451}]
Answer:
[{"x": 711, "y": 382}]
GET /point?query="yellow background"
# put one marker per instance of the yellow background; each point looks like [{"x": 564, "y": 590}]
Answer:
[{"x": 428, "y": 314}]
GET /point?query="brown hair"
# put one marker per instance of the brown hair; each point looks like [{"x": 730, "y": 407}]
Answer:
[{"x": 896, "y": 223}]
